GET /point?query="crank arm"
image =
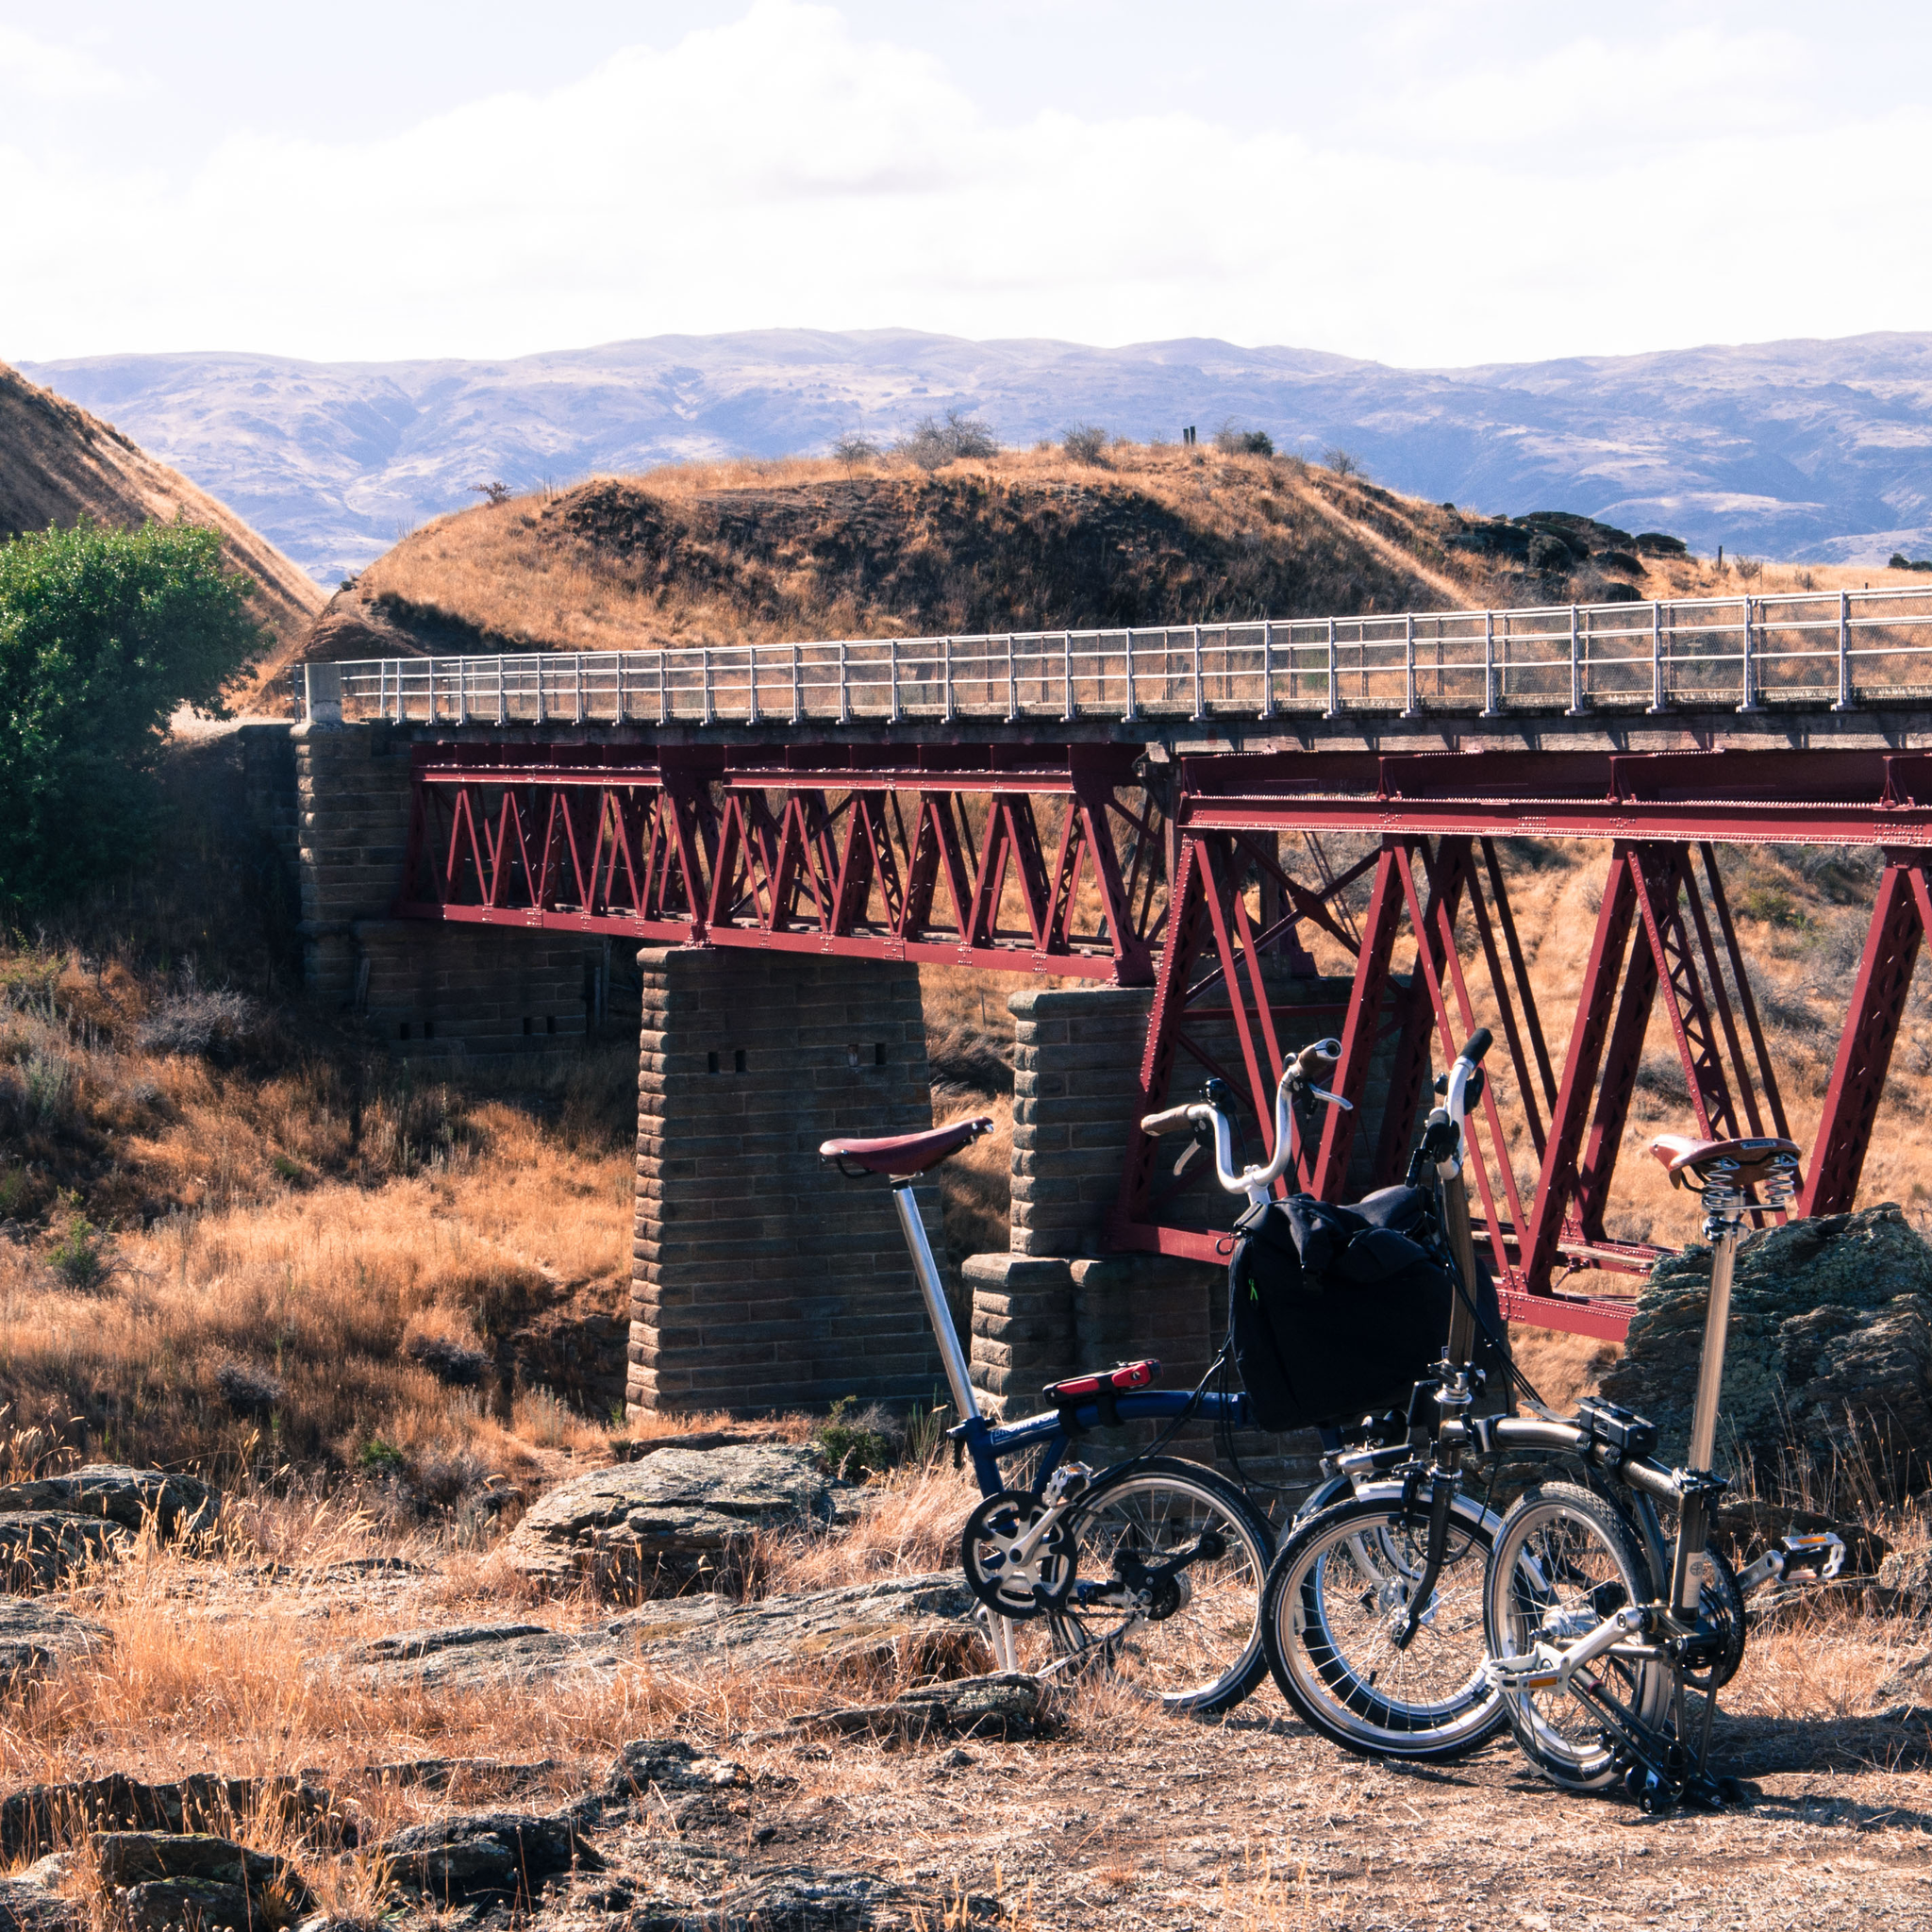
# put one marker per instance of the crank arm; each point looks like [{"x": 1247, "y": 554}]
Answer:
[{"x": 1559, "y": 1671}]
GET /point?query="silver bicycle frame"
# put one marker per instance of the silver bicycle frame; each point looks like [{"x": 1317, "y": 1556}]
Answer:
[{"x": 958, "y": 1371}]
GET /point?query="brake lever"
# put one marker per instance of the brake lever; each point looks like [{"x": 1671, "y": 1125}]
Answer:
[{"x": 1333, "y": 1099}]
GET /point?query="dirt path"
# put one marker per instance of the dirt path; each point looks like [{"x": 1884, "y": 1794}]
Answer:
[{"x": 1132, "y": 1822}]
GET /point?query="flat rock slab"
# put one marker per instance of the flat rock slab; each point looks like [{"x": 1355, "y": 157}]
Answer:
[
  {"x": 39, "y": 1547},
  {"x": 37, "y": 1639},
  {"x": 114, "y": 1493},
  {"x": 1008, "y": 1703},
  {"x": 28, "y": 1906},
  {"x": 487, "y": 1853},
  {"x": 821, "y": 1630},
  {"x": 670, "y": 1764},
  {"x": 678, "y": 1511}
]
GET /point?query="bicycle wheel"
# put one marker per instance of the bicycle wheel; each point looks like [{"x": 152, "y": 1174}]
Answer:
[
  {"x": 1167, "y": 1588},
  {"x": 1564, "y": 1559},
  {"x": 1337, "y": 1599}
]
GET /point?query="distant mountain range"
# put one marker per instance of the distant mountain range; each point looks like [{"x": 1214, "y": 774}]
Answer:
[{"x": 1808, "y": 451}]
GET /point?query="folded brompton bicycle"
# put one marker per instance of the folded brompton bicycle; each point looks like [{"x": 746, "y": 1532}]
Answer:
[{"x": 1409, "y": 1620}]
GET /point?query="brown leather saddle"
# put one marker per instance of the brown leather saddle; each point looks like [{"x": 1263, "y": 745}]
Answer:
[
  {"x": 1741, "y": 1163},
  {"x": 904, "y": 1155}
]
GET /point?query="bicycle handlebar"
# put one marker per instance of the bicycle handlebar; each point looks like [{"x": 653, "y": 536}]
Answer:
[{"x": 1295, "y": 1077}]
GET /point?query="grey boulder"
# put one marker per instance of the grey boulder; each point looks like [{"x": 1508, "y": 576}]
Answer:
[
  {"x": 165, "y": 1879},
  {"x": 674, "y": 1513},
  {"x": 1830, "y": 1335},
  {"x": 38, "y": 1547},
  {"x": 490, "y": 1853},
  {"x": 114, "y": 1493}
]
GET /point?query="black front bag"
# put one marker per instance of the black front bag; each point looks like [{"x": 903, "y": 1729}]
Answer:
[{"x": 1336, "y": 1311}]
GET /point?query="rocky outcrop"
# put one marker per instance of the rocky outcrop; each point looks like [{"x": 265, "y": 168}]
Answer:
[
  {"x": 1830, "y": 1336},
  {"x": 36, "y": 1640},
  {"x": 161, "y": 1881},
  {"x": 670, "y": 1516},
  {"x": 132, "y": 1497},
  {"x": 38, "y": 1547},
  {"x": 669, "y": 1764},
  {"x": 1909, "y": 1572},
  {"x": 50, "y": 1526},
  {"x": 36, "y": 1818},
  {"x": 916, "y": 1618},
  {"x": 489, "y": 1853},
  {"x": 1011, "y": 1704},
  {"x": 29, "y": 1906}
]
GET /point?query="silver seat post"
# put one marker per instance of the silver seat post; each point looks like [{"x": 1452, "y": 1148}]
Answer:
[
  {"x": 1723, "y": 1209},
  {"x": 959, "y": 1374}
]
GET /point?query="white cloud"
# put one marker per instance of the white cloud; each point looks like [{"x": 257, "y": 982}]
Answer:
[
  {"x": 41, "y": 70},
  {"x": 783, "y": 171}
]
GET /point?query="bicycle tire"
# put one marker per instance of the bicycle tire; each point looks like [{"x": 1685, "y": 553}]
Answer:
[
  {"x": 1196, "y": 1649},
  {"x": 1564, "y": 1558},
  {"x": 1335, "y": 1590}
]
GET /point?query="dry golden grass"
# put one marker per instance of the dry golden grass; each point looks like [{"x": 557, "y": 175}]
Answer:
[
  {"x": 521, "y": 575},
  {"x": 321, "y": 1217}
]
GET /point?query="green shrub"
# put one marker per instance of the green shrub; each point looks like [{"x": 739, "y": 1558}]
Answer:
[
  {"x": 1770, "y": 905},
  {"x": 380, "y": 1457},
  {"x": 103, "y": 634},
  {"x": 860, "y": 1441},
  {"x": 83, "y": 1257}
]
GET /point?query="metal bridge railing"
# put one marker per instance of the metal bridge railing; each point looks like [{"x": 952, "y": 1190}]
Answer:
[{"x": 1841, "y": 648}]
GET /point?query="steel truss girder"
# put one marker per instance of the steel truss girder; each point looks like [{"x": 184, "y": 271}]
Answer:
[
  {"x": 982, "y": 855},
  {"x": 858, "y": 857}
]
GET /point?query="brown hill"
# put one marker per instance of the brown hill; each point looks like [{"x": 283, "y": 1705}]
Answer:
[
  {"x": 58, "y": 464},
  {"x": 1022, "y": 540}
]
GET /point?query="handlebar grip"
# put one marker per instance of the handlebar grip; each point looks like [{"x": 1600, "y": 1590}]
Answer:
[
  {"x": 1476, "y": 1045},
  {"x": 1176, "y": 1117},
  {"x": 1314, "y": 1057}
]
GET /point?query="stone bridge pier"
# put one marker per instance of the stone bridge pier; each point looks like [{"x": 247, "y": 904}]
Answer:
[{"x": 762, "y": 1279}]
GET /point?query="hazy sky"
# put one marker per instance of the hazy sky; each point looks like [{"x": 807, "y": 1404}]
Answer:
[{"x": 1454, "y": 183}]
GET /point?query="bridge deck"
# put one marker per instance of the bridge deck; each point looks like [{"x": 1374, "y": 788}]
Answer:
[{"x": 1841, "y": 650}]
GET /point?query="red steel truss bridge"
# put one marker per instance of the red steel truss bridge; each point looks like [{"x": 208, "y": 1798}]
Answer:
[
  {"x": 1192, "y": 810},
  {"x": 1206, "y": 876}
]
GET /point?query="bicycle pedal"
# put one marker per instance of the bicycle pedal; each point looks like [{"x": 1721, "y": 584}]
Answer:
[
  {"x": 1518, "y": 1675},
  {"x": 1821, "y": 1555},
  {"x": 1068, "y": 1481}
]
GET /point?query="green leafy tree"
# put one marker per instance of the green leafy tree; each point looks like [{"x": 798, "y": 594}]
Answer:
[{"x": 103, "y": 635}]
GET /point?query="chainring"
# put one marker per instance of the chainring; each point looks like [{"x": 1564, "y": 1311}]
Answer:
[
  {"x": 1005, "y": 1582},
  {"x": 1723, "y": 1607}
]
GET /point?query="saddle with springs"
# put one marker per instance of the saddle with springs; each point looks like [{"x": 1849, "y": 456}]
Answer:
[{"x": 1741, "y": 1163}]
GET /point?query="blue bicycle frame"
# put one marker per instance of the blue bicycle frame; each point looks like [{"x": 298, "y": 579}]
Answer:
[{"x": 987, "y": 1442}]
